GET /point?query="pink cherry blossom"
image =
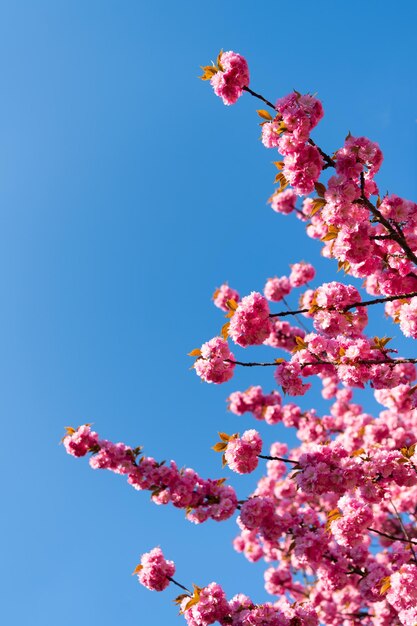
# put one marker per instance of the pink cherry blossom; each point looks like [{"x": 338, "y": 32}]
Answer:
[
  {"x": 250, "y": 324},
  {"x": 223, "y": 294},
  {"x": 242, "y": 452},
  {"x": 214, "y": 365},
  {"x": 155, "y": 570},
  {"x": 228, "y": 83}
]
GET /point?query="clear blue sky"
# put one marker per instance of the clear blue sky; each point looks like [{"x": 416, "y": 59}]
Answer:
[{"x": 128, "y": 192}]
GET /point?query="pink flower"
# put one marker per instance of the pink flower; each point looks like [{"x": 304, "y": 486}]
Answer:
[
  {"x": 255, "y": 512},
  {"x": 407, "y": 317},
  {"x": 228, "y": 83},
  {"x": 402, "y": 594},
  {"x": 302, "y": 168},
  {"x": 300, "y": 114},
  {"x": 350, "y": 529},
  {"x": 250, "y": 324},
  {"x": 116, "y": 457},
  {"x": 356, "y": 154},
  {"x": 213, "y": 365},
  {"x": 288, "y": 375},
  {"x": 283, "y": 201},
  {"x": 301, "y": 273},
  {"x": 154, "y": 570},
  {"x": 283, "y": 335},
  {"x": 79, "y": 442},
  {"x": 270, "y": 134},
  {"x": 242, "y": 452},
  {"x": 398, "y": 209},
  {"x": 211, "y": 607},
  {"x": 277, "y": 288},
  {"x": 223, "y": 294}
]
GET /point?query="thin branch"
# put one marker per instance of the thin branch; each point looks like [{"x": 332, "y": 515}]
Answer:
[
  {"x": 299, "y": 320},
  {"x": 402, "y": 296},
  {"x": 258, "y": 95},
  {"x": 391, "y": 362},
  {"x": 249, "y": 364},
  {"x": 328, "y": 159},
  {"x": 277, "y": 458},
  {"x": 403, "y": 528},
  {"x": 179, "y": 585},
  {"x": 399, "y": 238},
  {"x": 286, "y": 313},
  {"x": 392, "y": 537}
]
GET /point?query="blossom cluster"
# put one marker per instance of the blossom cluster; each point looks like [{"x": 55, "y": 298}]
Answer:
[
  {"x": 184, "y": 488},
  {"x": 333, "y": 518},
  {"x": 154, "y": 571}
]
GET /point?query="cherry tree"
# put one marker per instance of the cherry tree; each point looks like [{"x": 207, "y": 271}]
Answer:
[{"x": 334, "y": 519}]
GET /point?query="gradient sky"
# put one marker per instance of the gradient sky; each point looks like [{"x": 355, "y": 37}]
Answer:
[{"x": 128, "y": 193}]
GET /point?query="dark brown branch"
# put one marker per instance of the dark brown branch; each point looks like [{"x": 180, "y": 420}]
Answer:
[
  {"x": 258, "y": 95},
  {"x": 328, "y": 159},
  {"x": 402, "y": 296},
  {"x": 391, "y": 362},
  {"x": 403, "y": 528},
  {"x": 392, "y": 537},
  {"x": 277, "y": 458},
  {"x": 396, "y": 236},
  {"x": 249, "y": 364},
  {"x": 179, "y": 585},
  {"x": 286, "y": 313}
]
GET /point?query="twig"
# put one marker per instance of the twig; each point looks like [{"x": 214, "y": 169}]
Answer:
[
  {"x": 277, "y": 458},
  {"x": 179, "y": 585}
]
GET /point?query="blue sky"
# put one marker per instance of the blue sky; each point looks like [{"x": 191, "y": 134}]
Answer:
[{"x": 128, "y": 193}]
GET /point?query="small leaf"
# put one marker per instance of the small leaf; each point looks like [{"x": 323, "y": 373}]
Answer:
[
  {"x": 208, "y": 72},
  {"x": 219, "y": 447},
  {"x": 317, "y": 204},
  {"x": 225, "y": 330},
  {"x": 137, "y": 569},
  {"x": 278, "y": 164},
  {"x": 408, "y": 452},
  {"x": 264, "y": 114},
  {"x": 332, "y": 516},
  {"x": 219, "y": 64},
  {"x": 299, "y": 345},
  {"x": 283, "y": 182},
  {"x": 278, "y": 361},
  {"x": 224, "y": 462},
  {"x": 195, "y": 352},
  {"x": 232, "y": 304},
  {"x": 215, "y": 294},
  {"x": 358, "y": 452},
  {"x": 332, "y": 233},
  {"x": 180, "y": 598},
  {"x": 320, "y": 188},
  {"x": 189, "y": 604},
  {"x": 194, "y": 599},
  {"x": 385, "y": 584},
  {"x": 291, "y": 546},
  {"x": 343, "y": 265},
  {"x": 225, "y": 437}
]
